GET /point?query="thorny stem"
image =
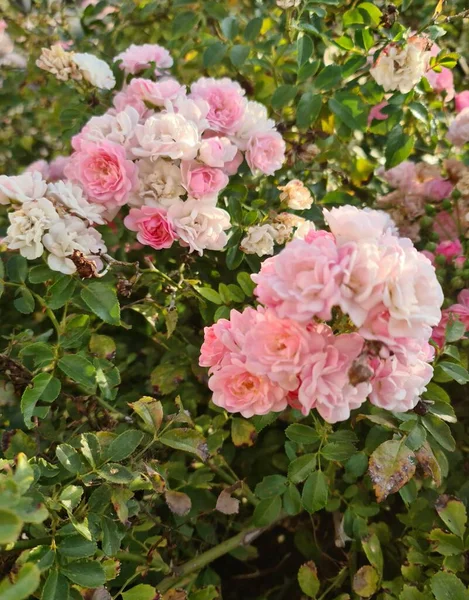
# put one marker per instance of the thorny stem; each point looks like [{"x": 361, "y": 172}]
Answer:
[
  {"x": 462, "y": 15},
  {"x": 243, "y": 538}
]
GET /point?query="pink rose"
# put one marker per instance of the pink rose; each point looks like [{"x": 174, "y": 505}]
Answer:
[
  {"x": 153, "y": 226},
  {"x": 445, "y": 225},
  {"x": 216, "y": 151},
  {"x": 458, "y": 131},
  {"x": 442, "y": 82},
  {"x": 302, "y": 281},
  {"x": 325, "y": 376},
  {"x": 136, "y": 58},
  {"x": 226, "y": 100},
  {"x": 57, "y": 167},
  {"x": 461, "y": 101},
  {"x": 142, "y": 90},
  {"x": 202, "y": 181},
  {"x": 213, "y": 350},
  {"x": 351, "y": 224},
  {"x": 429, "y": 255},
  {"x": 277, "y": 348},
  {"x": 104, "y": 172},
  {"x": 41, "y": 166},
  {"x": 231, "y": 167},
  {"x": 437, "y": 189},
  {"x": 402, "y": 176},
  {"x": 236, "y": 389},
  {"x": 376, "y": 114},
  {"x": 265, "y": 152},
  {"x": 450, "y": 249}
]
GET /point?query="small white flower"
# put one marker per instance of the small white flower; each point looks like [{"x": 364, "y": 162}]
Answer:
[
  {"x": 296, "y": 195},
  {"x": 159, "y": 183},
  {"x": 200, "y": 226},
  {"x": 27, "y": 226},
  {"x": 30, "y": 185},
  {"x": 66, "y": 236},
  {"x": 95, "y": 70},
  {"x": 167, "y": 134},
  {"x": 259, "y": 239},
  {"x": 72, "y": 197}
]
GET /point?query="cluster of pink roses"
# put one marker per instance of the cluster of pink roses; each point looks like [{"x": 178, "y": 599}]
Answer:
[
  {"x": 381, "y": 299},
  {"x": 163, "y": 151}
]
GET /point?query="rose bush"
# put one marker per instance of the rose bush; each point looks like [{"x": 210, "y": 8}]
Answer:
[{"x": 234, "y": 284}]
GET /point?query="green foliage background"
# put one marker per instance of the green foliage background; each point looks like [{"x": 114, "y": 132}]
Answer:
[{"x": 114, "y": 458}]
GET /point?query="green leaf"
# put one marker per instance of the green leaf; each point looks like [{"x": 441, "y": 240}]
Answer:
[
  {"x": 239, "y": 55},
  {"x": 301, "y": 434},
  {"x": 40, "y": 352},
  {"x": 446, "y": 544},
  {"x": 373, "y": 552},
  {"x": 61, "y": 291},
  {"x": 329, "y": 77},
  {"x": 41, "y": 274},
  {"x": 70, "y": 497},
  {"x": 440, "y": 431},
  {"x": 123, "y": 445},
  {"x": 292, "y": 500},
  {"x": 271, "y": 485},
  {"x": 209, "y": 294},
  {"x": 86, "y": 573},
  {"x": 411, "y": 593},
  {"x": 214, "y": 54},
  {"x": 446, "y": 586},
  {"x": 116, "y": 473},
  {"x": 43, "y": 387},
  {"x": 315, "y": 492},
  {"x": 56, "y": 586},
  {"x": 267, "y": 511},
  {"x": 305, "y": 48},
  {"x": 456, "y": 372},
  {"x": 10, "y": 526},
  {"x": 344, "y": 113},
  {"x": 300, "y": 468},
  {"x": 253, "y": 29},
  {"x": 70, "y": 459},
  {"x": 102, "y": 300},
  {"x": 184, "y": 23},
  {"x": 308, "y": 109},
  {"x": 79, "y": 369},
  {"x": 143, "y": 591},
  {"x": 111, "y": 536},
  {"x": 229, "y": 27},
  {"x": 17, "y": 268},
  {"x": 338, "y": 451},
  {"x": 417, "y": 437},
  {"x": 453, "y": 513},
  {"x": 246, "y": 283},
  {"x": 76, "y": 546},
  {"x": 283, "y": 95},
  {"x": 187, "y": 440},
  {"x": 308, "y": 579},
  {"x": 24, "y": 302},
  {"x": 150, "y": 411},
  {"x": 26, "y": 583},
  {"x": 398, "y": 147}
]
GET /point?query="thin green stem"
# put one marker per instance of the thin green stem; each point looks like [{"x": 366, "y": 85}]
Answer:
[{"x": 27, "y": 544}]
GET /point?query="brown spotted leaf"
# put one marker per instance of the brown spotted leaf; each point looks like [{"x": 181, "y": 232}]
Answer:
[
  {"x": 243, "y": 432},
  {"x": 365, "y": 581},
  {"x": 178, "y": 502},
  {"x": 225, "y": 503},
  {"x": 427, "y": 461},
  {"x": 391, "y": 466}
]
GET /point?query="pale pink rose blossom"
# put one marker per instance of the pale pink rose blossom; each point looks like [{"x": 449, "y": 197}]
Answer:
[
  {"x": 137, "y": 58},
  {"x": 41, "y": 166},
  {"x": 459, "y": 312},
  {"x": 458, "y": 131},
  {"x": 28, "y": 186},
  {"x": 216, "y": 151},
  {"x": 351, "y": 224},
  {"x": 302, "y": 281},
  {"x": 237, "y": 390},
  {"x": 449, "y": 249},
  {"x": 231, "y": 167},
  {"x": 442, "y": 82},
  {"x": 152, "y": 225},
  {"x": 202, "y": 181},
  {"x": 375, "y": 113},
  {"x": 445, "y": 225},
  {"x": 325, "y": 380},
  {"x": 104, "y": 172},
  {"x": 139, "y": 91},
  {"x": 265, "y": 152},
  {"x": 213, "y": 350},
  {"x": 57, "y": 167},
  {"x": 429, "y": 255},
  {"x": 226, "y": 100},
  {"x": 402, "y": 176},
  {"x": 461, "y": 101}
]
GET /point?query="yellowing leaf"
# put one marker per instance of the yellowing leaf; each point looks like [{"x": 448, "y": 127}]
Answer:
[{"x": 391, "y": 466}]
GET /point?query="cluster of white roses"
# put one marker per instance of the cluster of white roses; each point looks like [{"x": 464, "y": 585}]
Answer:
[{"x": 163, "y": 151}]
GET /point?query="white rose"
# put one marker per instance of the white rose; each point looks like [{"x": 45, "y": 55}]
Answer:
[
  {"x": 216, "y": 151},
  {"x": 296, "y": 195},
  {"x": 200, "y": 226},
  {"x": 118, "y": 128},
  {"x": 66, "y": 236},
  {"x": 259, "y": 239},
  {"x": 159, "y": 183},
  {"x": 28, "y": 186},
  {"x": 255, "y": 120},
  {"x": 351, "y": 224},
  {"x": 72, "y": 197},
  {"x": 27, "y": 226},
  {"x": 192, "y": 109},
  {"x": 95, "y": 70},
  {"x": 166, "y": 134}
]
